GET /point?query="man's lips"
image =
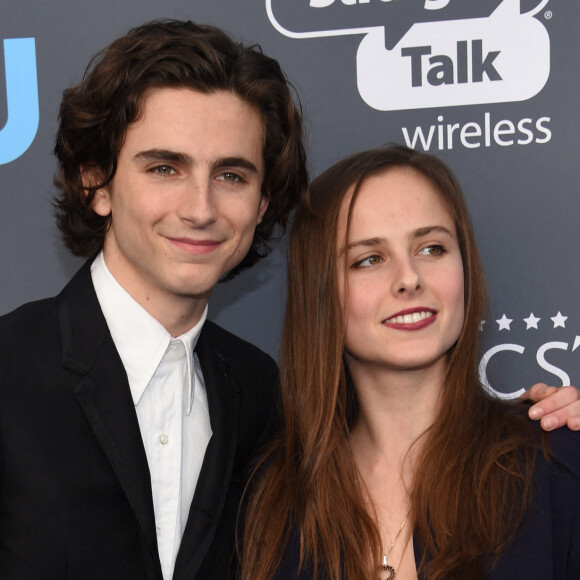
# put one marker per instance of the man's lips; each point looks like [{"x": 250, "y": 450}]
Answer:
[
  {"x": 412, "y": 319},
  {"x": 195, "y": 246}
]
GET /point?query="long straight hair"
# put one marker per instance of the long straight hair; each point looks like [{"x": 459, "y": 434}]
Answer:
[{"x": 473, "y": 476}]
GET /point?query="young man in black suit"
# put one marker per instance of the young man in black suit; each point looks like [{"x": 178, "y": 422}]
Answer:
[{"x": 127, "y": 418}]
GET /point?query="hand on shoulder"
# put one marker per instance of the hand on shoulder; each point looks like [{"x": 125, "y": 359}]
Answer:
[{"x": 554, "y": 406}]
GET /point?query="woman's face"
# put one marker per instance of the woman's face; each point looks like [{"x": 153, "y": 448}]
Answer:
[{"x": 404, "y": 305}]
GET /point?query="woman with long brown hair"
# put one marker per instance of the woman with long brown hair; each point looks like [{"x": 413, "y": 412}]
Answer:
[{"x": 393, "y": 461}]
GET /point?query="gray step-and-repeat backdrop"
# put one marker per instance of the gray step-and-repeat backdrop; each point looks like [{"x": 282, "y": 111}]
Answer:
[{"x": 491, "y": 86}]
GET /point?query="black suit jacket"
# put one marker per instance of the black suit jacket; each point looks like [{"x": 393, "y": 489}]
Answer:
[{"x": 75, "y": 491}]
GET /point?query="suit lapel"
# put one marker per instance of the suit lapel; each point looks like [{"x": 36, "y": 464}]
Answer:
[
  {"x": 216, "y": 472},
  {"x": 104, "y": 396}
]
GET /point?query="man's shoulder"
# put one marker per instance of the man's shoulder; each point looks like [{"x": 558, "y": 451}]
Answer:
[
  {"x": 29, "y": 337},
  {"x": 39, "y": 311},
  {"x": 565, "y": 450},
  {"x": 38, "y": 321},
  {"x": 231, "y": 346},
  {"x": 234, "y": 350},
  {"x": 27, "y": 317},
  {"x": 558, "y": 453}
]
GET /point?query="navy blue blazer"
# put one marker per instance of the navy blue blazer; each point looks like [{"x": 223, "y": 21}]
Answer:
[
  {"x": 75, "y": 491},
  {"x": 547, "y": 545}
]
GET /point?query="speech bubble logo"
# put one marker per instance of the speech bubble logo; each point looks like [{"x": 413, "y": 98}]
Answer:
[
  {"x": 503, "y": 58},
  {"x": 431, "y": 53},
  {"x": 316, "y": 18}
]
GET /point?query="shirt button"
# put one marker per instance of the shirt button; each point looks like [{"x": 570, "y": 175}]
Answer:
[{"x": 163, "y": 439}]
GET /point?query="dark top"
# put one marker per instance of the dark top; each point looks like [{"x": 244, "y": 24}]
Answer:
[{"x": 547, "y": 545}]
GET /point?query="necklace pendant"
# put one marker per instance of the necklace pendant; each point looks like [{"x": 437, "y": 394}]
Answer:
[{"x": 389, "y": 570}]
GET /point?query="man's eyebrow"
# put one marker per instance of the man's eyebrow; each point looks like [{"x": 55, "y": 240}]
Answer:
[
  {"x": 233, "y": 162},
  {"x": 164, "y": 156}
]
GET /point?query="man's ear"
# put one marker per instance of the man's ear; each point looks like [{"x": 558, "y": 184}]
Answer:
[
  {"x": 264, "y": 203},
  {"x": 101, "y": 203}
]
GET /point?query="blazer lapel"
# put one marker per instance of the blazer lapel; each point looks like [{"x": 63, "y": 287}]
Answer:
[
  {"x": 216, "y": 472},
  {"x": 104, "y": 396}
]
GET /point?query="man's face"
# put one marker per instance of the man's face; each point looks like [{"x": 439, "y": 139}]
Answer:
[{"x": 186, "y": 197}]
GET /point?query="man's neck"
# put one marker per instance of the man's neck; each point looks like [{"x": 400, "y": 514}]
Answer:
[{"x": 177, "y": 314}]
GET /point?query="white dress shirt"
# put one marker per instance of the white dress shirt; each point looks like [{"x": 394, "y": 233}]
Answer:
[{"x": 170, "y": 399}]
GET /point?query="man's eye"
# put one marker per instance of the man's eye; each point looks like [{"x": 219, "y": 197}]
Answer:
[
  {"x": 163, "y": 170},
  {"x": 229, "y": 177}
]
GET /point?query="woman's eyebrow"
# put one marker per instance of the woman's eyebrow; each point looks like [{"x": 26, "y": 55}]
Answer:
[
  {"x": 366, "y": 242},
  {"x": 425, "y": 231}
]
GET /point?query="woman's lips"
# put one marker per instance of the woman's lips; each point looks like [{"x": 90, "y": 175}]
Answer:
[{"x": 413, "y": 319}]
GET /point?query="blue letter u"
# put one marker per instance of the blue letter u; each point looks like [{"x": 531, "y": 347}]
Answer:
[{"x": 21, "y": 98}]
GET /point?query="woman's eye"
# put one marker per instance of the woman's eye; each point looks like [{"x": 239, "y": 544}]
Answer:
[
  {"x": 368, "y": 261},
  {"x": 433, "y": 250}
]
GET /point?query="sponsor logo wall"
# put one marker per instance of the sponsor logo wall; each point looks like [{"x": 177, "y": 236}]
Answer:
[
  {"x": 21, "y": 98},
  {"x": 489, "y": 85}
]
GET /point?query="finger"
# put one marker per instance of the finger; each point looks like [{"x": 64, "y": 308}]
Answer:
[
  {"x": 538, "y": 392},
  {"x": 559, "y": 419},
  {"x": 552, "y": 399},
  {"x": 561, "y": 408}
]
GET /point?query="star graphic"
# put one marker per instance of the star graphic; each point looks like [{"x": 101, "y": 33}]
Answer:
[
  {"x": 504, "y": 322},
  {"x": 481, "y": 325},
  {"x": 531, "y": 321},
  {"x": 559, "y": 320}
]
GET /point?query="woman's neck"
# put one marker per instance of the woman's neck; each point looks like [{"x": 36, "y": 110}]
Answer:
[{"x": 395, "y": 408}]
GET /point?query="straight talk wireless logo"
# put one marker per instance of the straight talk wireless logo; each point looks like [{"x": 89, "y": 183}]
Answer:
[{"x": 417, "y": 54}]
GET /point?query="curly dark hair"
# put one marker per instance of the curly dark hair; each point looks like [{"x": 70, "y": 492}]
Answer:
[{"x": 95, "y": 114}]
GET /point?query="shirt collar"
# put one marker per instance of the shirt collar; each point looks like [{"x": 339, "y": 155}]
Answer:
[
  {"x": 140, "y": 339},
  {"x": 189, "y": 340}
]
